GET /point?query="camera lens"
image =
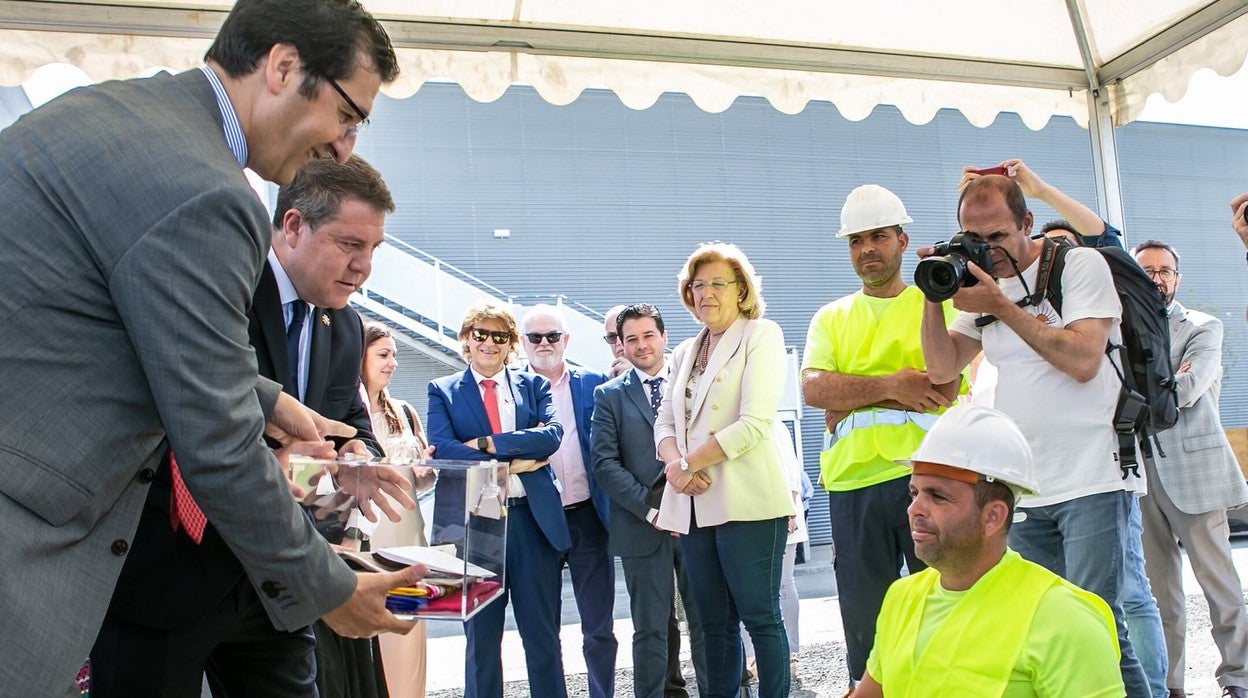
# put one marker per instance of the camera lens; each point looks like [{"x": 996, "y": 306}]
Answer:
[{"x": 939, "y": 277}]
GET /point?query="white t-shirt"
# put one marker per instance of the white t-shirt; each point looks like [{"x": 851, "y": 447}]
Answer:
[{"x": 1068, "y": 424}]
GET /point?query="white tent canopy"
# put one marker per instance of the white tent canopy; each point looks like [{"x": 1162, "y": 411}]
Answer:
[{"x": 1095, "y": 61}]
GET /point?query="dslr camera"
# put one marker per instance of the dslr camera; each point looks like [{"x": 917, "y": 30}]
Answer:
[{"x": 942, "y": 274}]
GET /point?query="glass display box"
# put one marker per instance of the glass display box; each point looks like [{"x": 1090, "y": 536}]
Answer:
[{"x": 450, "y": 516}]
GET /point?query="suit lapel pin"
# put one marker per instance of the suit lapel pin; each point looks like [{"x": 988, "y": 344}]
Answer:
[{"x": 325, "y": 320}]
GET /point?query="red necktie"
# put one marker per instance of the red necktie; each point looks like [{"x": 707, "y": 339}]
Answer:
[
  {"x": 491, "y": 406},
  {"x": 183, "y": 510}
]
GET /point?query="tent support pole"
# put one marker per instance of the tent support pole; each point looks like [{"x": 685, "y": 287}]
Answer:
[{"x": 1105, "y": 158}]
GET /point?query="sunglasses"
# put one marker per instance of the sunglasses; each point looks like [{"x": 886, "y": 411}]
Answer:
[
  {"x": 536, "y": 337},
  {"x": 479, "y": 335},
  {"x": 611, "y": 337}
]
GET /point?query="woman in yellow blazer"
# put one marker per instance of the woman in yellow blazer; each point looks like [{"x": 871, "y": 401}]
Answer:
[{"x": 726, "y": 492}]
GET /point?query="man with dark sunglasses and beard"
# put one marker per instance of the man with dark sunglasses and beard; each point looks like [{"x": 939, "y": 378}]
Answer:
[{"x": 586, "y": 505}]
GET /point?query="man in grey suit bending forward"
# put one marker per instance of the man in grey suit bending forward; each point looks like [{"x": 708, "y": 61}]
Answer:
[
  {"x": 129, "y": 250},
  {"x": 624, "y": 465}
]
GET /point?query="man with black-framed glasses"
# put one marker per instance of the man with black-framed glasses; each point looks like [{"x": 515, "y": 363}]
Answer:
[
  {"x": 545, "y": 336},
  {"x": 1191, "y": 488},
  {"x": 611, "y": 336}
]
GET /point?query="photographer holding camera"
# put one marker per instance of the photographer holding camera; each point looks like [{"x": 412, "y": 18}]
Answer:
[{"x": 1054, "y": 379}]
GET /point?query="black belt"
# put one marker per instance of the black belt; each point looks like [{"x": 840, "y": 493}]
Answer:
[
  {"x": 517, "y": 501},
  {"x": 577, "y": 505}
]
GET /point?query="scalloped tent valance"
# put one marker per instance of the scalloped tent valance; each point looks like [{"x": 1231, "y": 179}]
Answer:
[
  {"x": 1096, "y": 61},
  {"x": 1038, "y": 59}
]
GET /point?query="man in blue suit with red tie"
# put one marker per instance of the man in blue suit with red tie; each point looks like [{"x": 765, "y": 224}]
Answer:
[
  {"x": 545, "y": 338},
  {"x": 491, "y": 412}
]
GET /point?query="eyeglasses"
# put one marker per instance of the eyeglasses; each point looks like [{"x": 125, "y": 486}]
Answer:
[
  {"x": 611, "y": 337},
  {"x": 1165, "y": 274},
  {"x": 352, "y": 131},
  {"x": 536, "y": 337},
  {"x": 715, "y": 284},
  {"x": 479, "y": 335}
]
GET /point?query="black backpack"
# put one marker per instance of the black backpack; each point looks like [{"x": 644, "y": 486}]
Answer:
[{"x": 1148, "y": 401}]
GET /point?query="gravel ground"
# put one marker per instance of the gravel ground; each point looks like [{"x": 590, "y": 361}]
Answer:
[{"x": 822, "y": 672}]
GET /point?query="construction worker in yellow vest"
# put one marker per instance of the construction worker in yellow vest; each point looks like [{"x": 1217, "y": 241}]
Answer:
[
  {"x": 864, "y": 365},
  {"x": 980, "y": 620}
]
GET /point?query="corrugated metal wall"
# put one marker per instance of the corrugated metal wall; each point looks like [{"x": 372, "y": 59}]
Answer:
[
  {"x": 411, "y": 378},
  {"x": 1178, "y": 182},
  {"x": 604, "y": 203}
]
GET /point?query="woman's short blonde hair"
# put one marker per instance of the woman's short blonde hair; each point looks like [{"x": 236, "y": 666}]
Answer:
[
  {"x": 749, "y": 300},
  {"x": 489, "y": 310}
]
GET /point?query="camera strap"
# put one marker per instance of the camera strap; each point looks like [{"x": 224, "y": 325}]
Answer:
[{"x": 1048, "y": 253}]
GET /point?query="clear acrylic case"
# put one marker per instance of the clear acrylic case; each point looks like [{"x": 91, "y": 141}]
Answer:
[{"x": 466, "y": 557}]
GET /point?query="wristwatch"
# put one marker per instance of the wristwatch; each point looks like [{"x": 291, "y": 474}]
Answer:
[
  {"x": 483, "y": 444},
  {"x": 684, "y": 465}
]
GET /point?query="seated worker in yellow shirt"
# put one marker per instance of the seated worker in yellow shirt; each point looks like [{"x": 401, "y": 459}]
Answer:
[{"x": 981, "y": 620}]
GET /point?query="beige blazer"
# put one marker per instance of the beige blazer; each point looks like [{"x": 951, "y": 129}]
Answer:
[{"x": 736, "y": 403}]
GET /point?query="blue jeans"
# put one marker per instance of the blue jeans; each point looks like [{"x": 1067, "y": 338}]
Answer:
[
  {"x": 1139, "y": 608},
  {"x": 1083, "y": 540},
  {"x": 734, "y": 578}
]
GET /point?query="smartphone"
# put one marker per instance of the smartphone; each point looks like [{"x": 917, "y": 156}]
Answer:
[{"x": 992, "y": 171}]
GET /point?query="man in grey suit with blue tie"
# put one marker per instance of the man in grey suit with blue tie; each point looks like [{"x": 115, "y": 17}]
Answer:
[
  {"x": 625, "y": 465},
  {"x": 1190, "y": 489},
  {"x": 130, "y": 248}
]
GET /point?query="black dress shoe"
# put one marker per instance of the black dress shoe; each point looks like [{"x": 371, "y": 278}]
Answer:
[{"x": 1234, "y": 692}]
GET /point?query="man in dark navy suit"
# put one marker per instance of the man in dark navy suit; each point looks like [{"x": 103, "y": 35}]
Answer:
[
  {"x": 182, "y": 607},
  {"x": 491, "y": 412},
  {"x": 545, "y": 336},
  {"x": 625, "y": 465}
]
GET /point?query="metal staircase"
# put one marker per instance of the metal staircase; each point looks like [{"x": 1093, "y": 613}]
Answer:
[{"x": 426, "y": 298}]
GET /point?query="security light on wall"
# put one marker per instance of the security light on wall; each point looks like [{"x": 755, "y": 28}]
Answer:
[{"x": 502, "y": 233}]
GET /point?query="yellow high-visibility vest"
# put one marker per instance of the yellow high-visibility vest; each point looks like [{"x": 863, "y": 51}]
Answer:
[
  {"x": 976, "y": 648},
  {"x": 862, "y": 449}
]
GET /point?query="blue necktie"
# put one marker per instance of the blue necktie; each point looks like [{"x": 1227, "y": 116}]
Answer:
[
  {"x": 298, "y": 312},
  {"x": 656, "y": 393}
]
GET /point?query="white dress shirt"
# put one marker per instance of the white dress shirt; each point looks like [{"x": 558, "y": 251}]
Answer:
[{"x": 287, "y": 293}]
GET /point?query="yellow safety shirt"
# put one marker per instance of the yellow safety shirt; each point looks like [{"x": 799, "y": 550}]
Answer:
[
  {"x": 865, "y": 336},
  {"x": 1019, "y": 631}
]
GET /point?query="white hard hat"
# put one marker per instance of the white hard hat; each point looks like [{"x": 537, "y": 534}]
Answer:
[
  {"x": 983, "y": 441},
  {"x": 869, "y": 207}
]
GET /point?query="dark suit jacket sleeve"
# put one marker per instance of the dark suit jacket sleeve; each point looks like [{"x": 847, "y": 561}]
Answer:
[
  {"x": 446, "y": 442},
  {"x": 358, "y": 417},
  {"x": 181, "y": 291},
  {"x": 541, "y": 437},
  {"x": 357, "y": 413},
  {"x": 608, "y": 466},
  {"x": 1204, "y": 352}
]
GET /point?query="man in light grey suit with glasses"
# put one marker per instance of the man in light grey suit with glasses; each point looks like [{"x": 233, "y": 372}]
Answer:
[
  {"x": 130, "y": 248},
  {"x": 1190, "y": 489}
]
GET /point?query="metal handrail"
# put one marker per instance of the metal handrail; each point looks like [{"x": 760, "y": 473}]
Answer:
[{"x": 444, "y": 265}]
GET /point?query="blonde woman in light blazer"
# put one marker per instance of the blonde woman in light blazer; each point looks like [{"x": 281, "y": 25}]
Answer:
[{"x": 726, "y": 492}]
